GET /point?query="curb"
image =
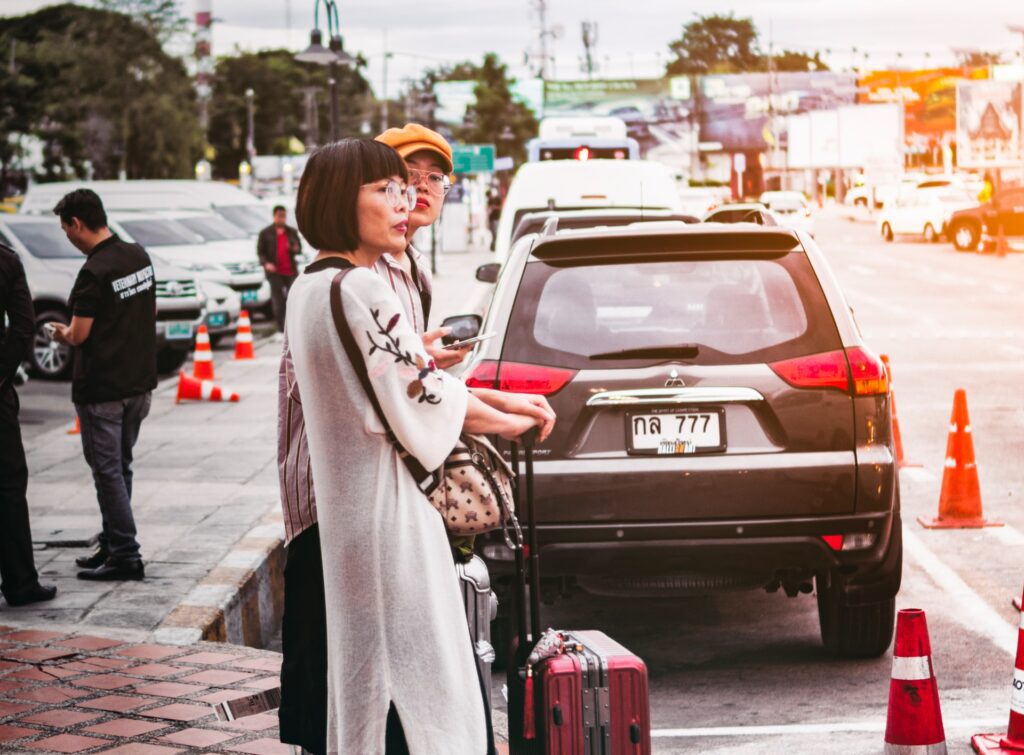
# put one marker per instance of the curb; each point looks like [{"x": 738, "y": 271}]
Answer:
[{"x": 241, "y": 600}]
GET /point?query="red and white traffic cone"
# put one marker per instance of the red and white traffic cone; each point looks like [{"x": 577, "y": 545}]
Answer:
[
  {"x": 243, "y": 337},
  {"x": 75, "y": 429},
  {"x": 202, "y": 360},
  {"x": 192, "y": 389},
  {"x": 914, "y": 721},
  {"x": 1013, "y": 740}
]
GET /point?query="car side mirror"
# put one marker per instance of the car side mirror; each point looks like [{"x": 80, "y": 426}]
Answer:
[
  {"x": 488, "y": 273},
  {"x": 463, "y": 327}
]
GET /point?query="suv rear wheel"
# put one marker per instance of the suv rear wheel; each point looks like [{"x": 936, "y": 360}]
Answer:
[
  {"x": 887, "y": 232},
  {"x": 929, "y": 234},
  {"x": 50, "y": 360},
  {"x": 861, "y": 631}
]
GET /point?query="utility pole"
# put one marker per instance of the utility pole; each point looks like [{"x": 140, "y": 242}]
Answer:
[
  {"x": 1020, "y": 123},
  {"x": 384, "y": 85},
  {"x": 542, "y": 10},
  {"x": 589, "y": 31}
]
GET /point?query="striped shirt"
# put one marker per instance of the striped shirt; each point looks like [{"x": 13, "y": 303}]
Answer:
[{"x": 294, "y": 469}]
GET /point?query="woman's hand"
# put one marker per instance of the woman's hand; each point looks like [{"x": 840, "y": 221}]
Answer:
[
  {"x": 521, "y": 403},
  {"x": 517, "y": 424},
  {"x": 443, "y": 358}
]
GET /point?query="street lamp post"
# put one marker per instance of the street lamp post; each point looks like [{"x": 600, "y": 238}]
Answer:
[
  {"x": 331, "y": 56},
  {"x": 1016, "y": 29},
  {"x": 250, "y": 136}
]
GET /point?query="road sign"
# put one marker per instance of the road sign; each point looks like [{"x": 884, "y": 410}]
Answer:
[
  {"x": 739, "y": 162},
  {"x": 473, "y": 158}
]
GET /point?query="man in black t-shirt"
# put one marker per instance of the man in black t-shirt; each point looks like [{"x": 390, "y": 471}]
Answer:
[
  {"x": 19, "y": 580},
  {"x": 113, "y": 330}
]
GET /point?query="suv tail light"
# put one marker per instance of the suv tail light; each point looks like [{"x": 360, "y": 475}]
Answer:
[
  {"x": 516, "y": 377},
  {"x": 833, "y": 369}
]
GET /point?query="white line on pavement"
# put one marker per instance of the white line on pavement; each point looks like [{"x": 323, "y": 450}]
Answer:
[
  {"x": 974, "y": 724},
  {"x": 917, "y": 473},
  {"x": 862, "y": 269},
  {"x": 970, "y": 610},
  {"x": 1007, "y": 534}
]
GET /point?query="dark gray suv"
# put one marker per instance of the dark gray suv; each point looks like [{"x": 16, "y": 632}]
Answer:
[{"x": 722, "y": 425}]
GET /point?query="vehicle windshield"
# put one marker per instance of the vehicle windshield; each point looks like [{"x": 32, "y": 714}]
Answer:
[
  {"x": 44, "y": 240},
  {"x": 159, "y": 232},
  {"x": 213, "y": 227},
  {"x": 707, "y": 311},
  {"x": 250, "y": 218},
  {"x": 785, "y": 204}
]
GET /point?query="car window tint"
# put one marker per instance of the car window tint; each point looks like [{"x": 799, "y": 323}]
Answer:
[
  {"x": 735, "y": 310},
  {"x": 44, "y": 240},
  {"x": 213, "y": 228},
  {"x": 160, "y": 232},
  {"x": 250, "y": 218}
]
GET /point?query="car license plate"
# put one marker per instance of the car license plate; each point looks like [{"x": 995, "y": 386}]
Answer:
[
  {"x": 179, "y": 330},
  {"x": 216, "y": 320},
  {"x": 674, "y": 433},
  {"x": 250, "y": 295}
]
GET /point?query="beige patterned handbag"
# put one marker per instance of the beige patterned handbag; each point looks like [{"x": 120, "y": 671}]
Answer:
[{"x": 475, "y": 493}]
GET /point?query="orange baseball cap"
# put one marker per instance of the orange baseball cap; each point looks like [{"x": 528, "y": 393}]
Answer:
[{"x": 413, "y": 137}]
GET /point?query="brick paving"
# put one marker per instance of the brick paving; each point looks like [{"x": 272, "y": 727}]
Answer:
[{"x": 86, "y": 694}]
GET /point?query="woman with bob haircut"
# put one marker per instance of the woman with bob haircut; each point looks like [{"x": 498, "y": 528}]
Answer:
[{"x": 401, "y": 671}]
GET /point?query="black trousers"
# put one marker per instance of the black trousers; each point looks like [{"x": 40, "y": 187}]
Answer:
[
  {"x": 280, "y": 285},
  {"x": 17, "y": 566},
  {"x": 302, "y": 717}
]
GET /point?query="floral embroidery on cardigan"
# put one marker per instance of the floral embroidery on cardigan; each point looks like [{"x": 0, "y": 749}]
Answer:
[{"x": 392, "y": 345}]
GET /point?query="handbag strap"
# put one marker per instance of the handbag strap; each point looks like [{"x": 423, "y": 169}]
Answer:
[{"x": 426, "y": 481}]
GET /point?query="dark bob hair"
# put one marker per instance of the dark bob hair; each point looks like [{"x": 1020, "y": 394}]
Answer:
[
  {"x": 84, "y": 204},
  {"x": 326, "y": 207}
]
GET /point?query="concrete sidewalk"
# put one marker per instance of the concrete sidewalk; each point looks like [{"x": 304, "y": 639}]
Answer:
[{"x": 206, "y": 505}]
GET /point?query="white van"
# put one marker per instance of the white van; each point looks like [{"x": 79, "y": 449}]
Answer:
[
  {"x": 581, "y": 185},
  {"x": 233, "y": 204}
]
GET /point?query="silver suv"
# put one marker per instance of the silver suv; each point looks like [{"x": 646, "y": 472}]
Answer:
[{"x": 51, "y": 265}]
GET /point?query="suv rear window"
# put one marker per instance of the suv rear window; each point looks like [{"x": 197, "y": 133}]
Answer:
[{"x": 734, "y": 310}]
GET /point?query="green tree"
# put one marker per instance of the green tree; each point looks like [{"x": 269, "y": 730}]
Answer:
[
  {"x": 98, "y": 88},
  {"x": 789, "y": 60},
  {"x": 978, "y": 58},
  {"x": 495, "y": 109},
  {"x": 278, "y": 83},
  {"x": 162, "y": 18},
  {"x": 715, "y": 44}
]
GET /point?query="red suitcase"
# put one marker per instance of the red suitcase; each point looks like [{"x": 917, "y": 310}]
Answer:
[{"x": 587, "y": 695}]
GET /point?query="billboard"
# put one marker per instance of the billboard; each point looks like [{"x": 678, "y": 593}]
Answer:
[
  {"x": 854, "y": 136},
  {"x": 928, "y": 98},
  {"x": 988, "y": 124},
  {"x": 736, "y": 109}
]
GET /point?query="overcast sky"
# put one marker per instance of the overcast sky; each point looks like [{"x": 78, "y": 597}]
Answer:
[{"x": 632, "y": 35}]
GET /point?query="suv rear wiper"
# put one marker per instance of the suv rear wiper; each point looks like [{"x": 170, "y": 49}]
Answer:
[{"x": 682, "y": 351}]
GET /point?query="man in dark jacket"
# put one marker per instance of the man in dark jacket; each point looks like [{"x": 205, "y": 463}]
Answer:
[
  {"x": 19, "y": 580},
  {"x": 278, "y": 246},
  {"x": 113, "y": 330}
]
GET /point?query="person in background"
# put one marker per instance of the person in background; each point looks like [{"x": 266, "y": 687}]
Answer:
[
  {"x": 19, "y": 580},
  {"x": 113, "y": 330},
  {"x": 278, "y": 247}
]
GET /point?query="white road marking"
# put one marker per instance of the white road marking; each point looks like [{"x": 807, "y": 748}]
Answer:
[
  {"x": 920, "y": 474},
  {"x": 862, "y": 269},
  {"x": 1008, "y": 349},
  {"x": 1007, "y": 534},
  {"x": 972, "y": 724},
  {"x": 972, "y": 612}
]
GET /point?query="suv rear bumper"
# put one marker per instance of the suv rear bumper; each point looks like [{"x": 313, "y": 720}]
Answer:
[{"x": 758, "y": 550}]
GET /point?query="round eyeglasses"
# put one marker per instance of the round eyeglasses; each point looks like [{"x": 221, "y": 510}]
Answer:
[
  {"x": 400, "y": 198},
  {"x": 438, "y": 184}
]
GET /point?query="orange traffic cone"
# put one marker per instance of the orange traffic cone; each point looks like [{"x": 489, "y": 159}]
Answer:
[
  {"x": 897, "y": 436},
  {"x": 1013, "y": 740},
  {"x": 75, "y": 429},
  {"x": 960, "y": 499},
  {"x": 914, "y": 720},
  {"x": 243, "y": 337},
  {"x": 202, "y": 360},
  {"x": 193, "y": 389}
]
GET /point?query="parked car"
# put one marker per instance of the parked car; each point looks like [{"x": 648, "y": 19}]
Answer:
[
  {"x": 699, "y": 200},
  {"x": 742, "y": 212},
  {"x": 534, "y": 222},
  {"x": 791, "y": 209},
  {"x": 200, "y": 243},
  {"x": 978, "y": 227},
  {"x": 223, "y": 308},
  {"x": 581, "y": 185},
  {"x": 233, "y": 204},
  {"x": 51, "y": 266},
  {"x": 722, "y": 424},
  {"x": 923, "y": 212}
]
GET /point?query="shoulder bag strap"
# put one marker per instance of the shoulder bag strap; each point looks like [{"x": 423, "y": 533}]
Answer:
[
  {"x": 425, "y": 481},
  {"x": 426, "y": 298}
]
